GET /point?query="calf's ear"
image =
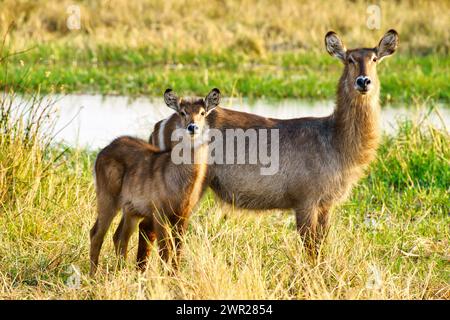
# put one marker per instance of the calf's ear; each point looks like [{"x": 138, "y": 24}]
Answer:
[
  {"x": 212, "y": 100},
  {"x": 171, "y": 99}
]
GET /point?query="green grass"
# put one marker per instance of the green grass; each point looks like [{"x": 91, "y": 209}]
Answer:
[
  {"x": 110, "y": 70},
  {"x": 390, "y": 240}
]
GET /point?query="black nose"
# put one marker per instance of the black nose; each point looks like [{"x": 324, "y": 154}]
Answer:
[
  {"x": 192, "y": 128},
  {"x": 362, "y": 82}
]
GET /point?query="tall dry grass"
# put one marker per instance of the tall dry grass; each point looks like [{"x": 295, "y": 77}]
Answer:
[
  {"x": 249, "y": 25},
  {"x": 389, "y": 241}
]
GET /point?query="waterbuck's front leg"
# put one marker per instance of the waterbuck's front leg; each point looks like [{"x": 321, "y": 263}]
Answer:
[
  {"x": 178, "y": 232},
  {"x": 169, "y": 233},
  {"x": 307, "y": 225},
  {"x": 147, "y": 237},
  {"x": 324, "y": 223}
]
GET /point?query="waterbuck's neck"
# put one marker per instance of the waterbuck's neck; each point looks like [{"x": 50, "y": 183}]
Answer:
[{"x": 356, "y": 119}]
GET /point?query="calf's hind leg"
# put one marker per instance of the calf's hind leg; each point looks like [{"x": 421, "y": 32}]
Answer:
[
  {"x": 124, "y": 231},
  {"x": 107, "y": 210}
]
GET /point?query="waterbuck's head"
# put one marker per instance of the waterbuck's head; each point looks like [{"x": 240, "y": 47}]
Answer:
[
  {"x": 360, "y": 73},
  {"x": 193, "y": 112}
]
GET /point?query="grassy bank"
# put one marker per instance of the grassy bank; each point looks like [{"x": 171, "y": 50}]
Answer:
[
  {"x": 108, "y": 70},
  {"x": 252, "y": 48},
  {"x": 389, "y": 240}
]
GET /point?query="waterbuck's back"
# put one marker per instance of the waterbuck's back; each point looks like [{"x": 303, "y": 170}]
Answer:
[{"x": 303, "y": 163}]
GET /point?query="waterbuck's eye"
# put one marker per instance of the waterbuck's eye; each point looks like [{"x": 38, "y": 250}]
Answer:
[
  {"x": 202, "y": 113},
  {"x": 374, "y": 59},
  {"x": 183, "y": 114}
]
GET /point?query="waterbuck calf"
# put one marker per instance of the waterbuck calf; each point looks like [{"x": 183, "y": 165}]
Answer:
[
  {"x": 150, "y": 188},
  {"x": 320, "y": 158}
]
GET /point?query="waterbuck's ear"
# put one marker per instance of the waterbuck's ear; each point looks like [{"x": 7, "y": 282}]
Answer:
[
  {"x": 334, "y": 45},
  {"x": 212, "y": 100},
  {"x": 171, "y": 99},
  {"x": 388, "y": 44}
]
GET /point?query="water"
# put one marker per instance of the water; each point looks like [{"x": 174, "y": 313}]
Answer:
[{"x": 92, "y": 121}]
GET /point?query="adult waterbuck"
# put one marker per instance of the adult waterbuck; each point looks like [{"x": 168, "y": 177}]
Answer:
[
  {"x": 151, "y": 189},
  {"x": 320, "y": 158}
]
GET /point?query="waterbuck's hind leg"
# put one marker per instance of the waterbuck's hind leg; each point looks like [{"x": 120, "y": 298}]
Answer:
[
  {"x": 109, "y": 176},
  {"x": 147, "y": 237},
  {"x": 117, "y": 233},
  {"x": 107, "y": 210},
  {"x": 124, "y": 232}
]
